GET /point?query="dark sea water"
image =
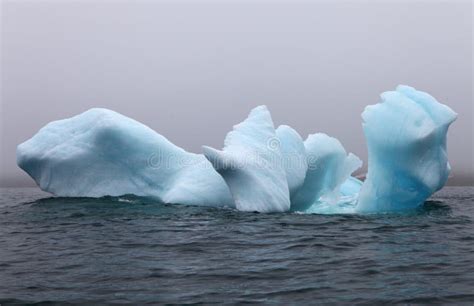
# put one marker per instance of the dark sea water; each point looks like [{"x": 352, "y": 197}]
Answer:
[{"x": 132, "y": 250}]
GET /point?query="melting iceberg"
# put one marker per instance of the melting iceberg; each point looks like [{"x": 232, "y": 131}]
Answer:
[
  {"x": 406, "y": 139},
  {"x": 101, "y": 152},
  {"x": 260, "y": 168},
  {"x": 328, "y": 167},
  {"x": 252, "y": 168},
  {"x": 294, "y": 156}
]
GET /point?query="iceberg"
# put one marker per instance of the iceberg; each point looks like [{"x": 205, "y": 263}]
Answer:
[
  {"x": 329, "y": 167},
  {"x": 294, "y": 156},
  {"x": 103, "y": 153},
  {"x": 252, "y": 164},
  {"x": 406, "y": 140}
]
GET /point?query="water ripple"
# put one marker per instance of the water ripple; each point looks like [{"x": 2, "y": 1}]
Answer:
[{"x": 135, "y": 250}]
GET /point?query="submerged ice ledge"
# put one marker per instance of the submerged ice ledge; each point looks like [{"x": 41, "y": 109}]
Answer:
[{"x": 261, "y": 168}]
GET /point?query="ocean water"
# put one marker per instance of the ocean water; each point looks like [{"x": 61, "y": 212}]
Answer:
[{"x": 133, "y": 250}]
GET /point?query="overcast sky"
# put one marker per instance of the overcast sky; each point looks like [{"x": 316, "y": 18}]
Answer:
[{"x": 192, "y": 69}]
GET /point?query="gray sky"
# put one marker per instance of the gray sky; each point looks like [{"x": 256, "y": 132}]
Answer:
[{"x": 192, "y": 69}]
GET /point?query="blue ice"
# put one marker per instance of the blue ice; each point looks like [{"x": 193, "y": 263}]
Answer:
[
  {"x": 101, "y": 152},
  {"x": 406, "y": 140},
  {"x": 260, "y": 168}
]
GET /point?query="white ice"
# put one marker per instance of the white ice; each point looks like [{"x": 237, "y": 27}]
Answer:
[
  {"x": 252, "y": 165},
  {"x": 294, "y": 156}
]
